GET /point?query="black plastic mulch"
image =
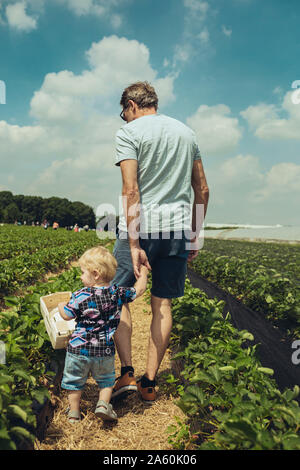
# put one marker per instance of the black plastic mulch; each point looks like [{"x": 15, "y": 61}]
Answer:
[{"x": 274, "y": 350}]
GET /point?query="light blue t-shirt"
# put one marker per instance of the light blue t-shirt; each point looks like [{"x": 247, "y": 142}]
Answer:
[{"x": 165, "y": 149}]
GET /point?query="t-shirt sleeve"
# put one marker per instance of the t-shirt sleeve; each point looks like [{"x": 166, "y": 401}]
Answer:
[
  {"x": 127, "y": 294},
  {"x": 71, "y": 309},
  {"x": 125, "y": 146},
  {"x": 197, "y": 154}
]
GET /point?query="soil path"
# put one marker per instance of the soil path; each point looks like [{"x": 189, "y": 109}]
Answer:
[{"x": 139, "y": 426}]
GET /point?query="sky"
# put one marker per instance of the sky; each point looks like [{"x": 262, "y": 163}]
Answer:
[{"x": 229, "y": 69}]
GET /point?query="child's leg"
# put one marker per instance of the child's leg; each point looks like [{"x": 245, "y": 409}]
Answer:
[
  {"x": 105, "y": 394},
  {"x": 74, "y": 400},
  {"x": 74, "y": 378},
  {"x": 103, "y": 372}
]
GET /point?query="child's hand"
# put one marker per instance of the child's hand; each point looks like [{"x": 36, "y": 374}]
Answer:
[
  {"x": 61, "y": 310},
  {"x": 144, "y": 270}
]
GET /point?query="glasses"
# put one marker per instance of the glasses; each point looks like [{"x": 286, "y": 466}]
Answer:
[{"x": 122, "y": 114}]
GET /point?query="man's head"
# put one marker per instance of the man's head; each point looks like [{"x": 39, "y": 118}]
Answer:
[{"x": 138, "y": 99}]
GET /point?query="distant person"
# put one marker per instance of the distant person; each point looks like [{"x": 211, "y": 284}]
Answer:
[
  {"x": 96, "y": 309},
  {"x": 160, "y": 164},
  {"x": 76, "y": 228},
  {"x": 86, "y": 228},
  {"x": 55, "y": 225}
]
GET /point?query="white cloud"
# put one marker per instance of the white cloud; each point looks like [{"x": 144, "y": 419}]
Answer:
[
  {"x": 240, "y": 169},
  {"x": 226, "y": 31},
  {"x": 71, "y": 145},
  {"x": 277, "y": 90},
  {"x": 266, "y": 121},
  {"x": 19, "y": 19},
  {"x": 216, "y": 131},
  {"x": 100, "y": 8},
  {"x": 65, "y": 97},
  {"x": 234, "y": 181},
  {"x": 259, "y": 114},
  {"x": 195, "y": 35},
  {"x": 204, "y": 36},
  {"x": 282, "y": 180},
  {"x": 197, "y": 7},
  {"x": 240, "y": 188}
]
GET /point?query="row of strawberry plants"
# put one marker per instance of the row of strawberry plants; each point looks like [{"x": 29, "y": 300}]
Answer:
[
  {"x": 262, "y": 289},
  {"x": 15, "y": 240},
  {"x": 27, "y": 352},
  {"x": 283, "y": 257},
  {"x": 232, "y": 402},
  {"x": 27, "y": 268}
]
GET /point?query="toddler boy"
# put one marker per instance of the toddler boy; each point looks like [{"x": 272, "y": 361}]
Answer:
[{"x": 96, "y": 309}]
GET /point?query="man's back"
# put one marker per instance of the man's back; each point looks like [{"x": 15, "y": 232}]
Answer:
[{"x": 165, "y": 150}]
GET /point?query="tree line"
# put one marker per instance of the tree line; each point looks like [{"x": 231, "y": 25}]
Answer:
[{"x": 37, "y": 209}]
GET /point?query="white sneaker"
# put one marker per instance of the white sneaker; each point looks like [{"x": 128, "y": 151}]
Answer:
[{"x": 105, "y": 411}]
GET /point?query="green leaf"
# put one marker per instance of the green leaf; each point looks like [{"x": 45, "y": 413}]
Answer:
[
  {"x": 247, "y": 335},
  {"x": 17, "y": 411},
  {"x": 21, "y": 432},
  {"x": 269, "y": 299},
  {"x": 265, "y": 370},
  {"x": 227, "y": 368},
  {"x": 11, "y": 301}
]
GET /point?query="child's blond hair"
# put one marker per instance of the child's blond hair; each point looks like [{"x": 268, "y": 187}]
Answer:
[{"x": 101, "y": 260}]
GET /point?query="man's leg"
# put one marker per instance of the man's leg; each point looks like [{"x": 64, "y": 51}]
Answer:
[
  {"x": 126, "y": 382},
  {"x": 123, "y": 337},
  {"x": 160, "y": 331}
]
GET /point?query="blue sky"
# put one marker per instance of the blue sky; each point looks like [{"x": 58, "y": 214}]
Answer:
[{"x": 224, "y": 67}]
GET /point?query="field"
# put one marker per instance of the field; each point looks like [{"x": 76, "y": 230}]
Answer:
[
  {"x": 226, "y": 400},
  {"x": 264, "y": 276}
]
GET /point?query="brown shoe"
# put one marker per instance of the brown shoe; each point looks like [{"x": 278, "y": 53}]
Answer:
[
  {"x": 148, "y": 394},
  {"x": 124, "y": 384}
]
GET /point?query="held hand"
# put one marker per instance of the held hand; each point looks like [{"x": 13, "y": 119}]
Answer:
[
  {"x": 193, "y": 253},
  {"x": 139, "y": 258}
]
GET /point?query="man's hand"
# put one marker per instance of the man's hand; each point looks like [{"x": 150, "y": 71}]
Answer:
[
  {"x": 139, "y": 258},
  {"x": 193, "y": 253}
]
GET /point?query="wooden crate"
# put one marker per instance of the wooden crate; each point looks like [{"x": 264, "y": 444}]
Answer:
[{"x": 58, "y": 329}]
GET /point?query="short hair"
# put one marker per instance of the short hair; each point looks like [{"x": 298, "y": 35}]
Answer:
[
  {"x": 142, "y": 93},
  {"x": 101, "y": 260}
]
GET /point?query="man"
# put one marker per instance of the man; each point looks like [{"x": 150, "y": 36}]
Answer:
[{"x": 160, "y": 162}]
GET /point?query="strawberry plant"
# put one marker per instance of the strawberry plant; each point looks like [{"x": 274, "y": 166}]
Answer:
[{"x": 232, "y": 402}]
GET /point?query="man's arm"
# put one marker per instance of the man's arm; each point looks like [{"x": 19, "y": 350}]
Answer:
[
  {"x": 131, "y": 205},
  {"x": 131, "y": 200},
  {"x": 201, "y": 197}
]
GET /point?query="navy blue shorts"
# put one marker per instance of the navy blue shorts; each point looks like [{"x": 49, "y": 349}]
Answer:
[{"x": 167, "y": 258}]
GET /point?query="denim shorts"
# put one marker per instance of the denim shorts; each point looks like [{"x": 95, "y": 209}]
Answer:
[
  {"x": 78, "y": 367},
  {"x": 167, "y": 258}
]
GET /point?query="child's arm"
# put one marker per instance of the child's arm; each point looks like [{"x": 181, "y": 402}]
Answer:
[
  {"x": 61, "y": 311},
  {"x": 141, "y": 284}
]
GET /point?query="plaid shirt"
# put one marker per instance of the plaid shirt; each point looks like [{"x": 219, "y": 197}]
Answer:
[{"x": 97, "y": 311}]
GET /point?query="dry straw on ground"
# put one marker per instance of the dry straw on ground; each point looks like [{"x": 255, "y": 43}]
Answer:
[{"x": 139, "y": 426}]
